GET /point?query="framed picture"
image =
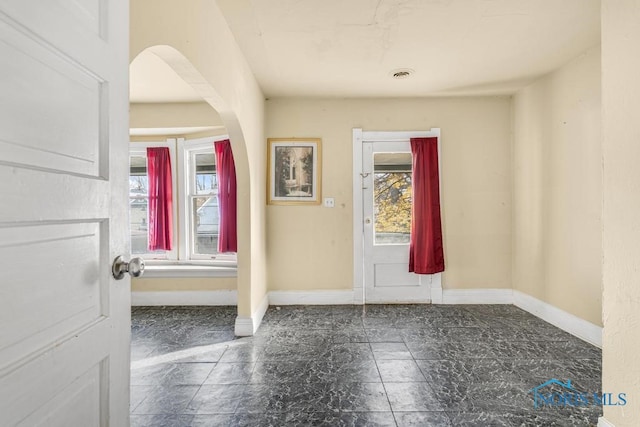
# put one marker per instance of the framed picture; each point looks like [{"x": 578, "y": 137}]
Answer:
[{"x": 294, "y": 171}]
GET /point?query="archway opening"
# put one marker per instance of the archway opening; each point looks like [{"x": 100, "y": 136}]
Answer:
[{"x": 171, "y": 104}]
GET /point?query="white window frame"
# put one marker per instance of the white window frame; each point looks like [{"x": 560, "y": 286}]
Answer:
[
  {"x": 187, "y": 149},
  {"x": 140, "y": 149},
  {"x": 179, "y": 262}
]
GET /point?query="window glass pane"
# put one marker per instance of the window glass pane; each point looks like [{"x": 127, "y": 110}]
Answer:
[
  {"x": 205, "y": 225},
  {"x": 138, "y": 183},
  {"x": 205, "y": 176},
  {"x": 139, "y": 229},
  {"x": 138, "y": 202},
  {"x": 392, "y": 197},
  {"x": 138, "y": 206}
]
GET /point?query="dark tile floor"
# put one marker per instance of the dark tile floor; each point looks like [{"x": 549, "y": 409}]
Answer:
[{"x": 379, "y": 365}]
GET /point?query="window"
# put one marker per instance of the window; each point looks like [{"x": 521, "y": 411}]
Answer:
[
  {"x": 200, "y": 207},
  {"x": 195, "y": 201},
  {"x": 139, "y": 201}
]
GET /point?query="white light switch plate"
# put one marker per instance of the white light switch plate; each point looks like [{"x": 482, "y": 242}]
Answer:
[{"x": 329, "y": 202}]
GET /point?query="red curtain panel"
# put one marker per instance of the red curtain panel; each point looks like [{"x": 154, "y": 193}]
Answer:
[
  {"x": 160, "y": 199},
  {"x": 426, "y": 255},
  {"x": 227, "y": 197}
]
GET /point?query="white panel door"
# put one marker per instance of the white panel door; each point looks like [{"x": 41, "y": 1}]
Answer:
[
  {"x": 386, "y": 206},
  {"x": 64, "y": 320}
]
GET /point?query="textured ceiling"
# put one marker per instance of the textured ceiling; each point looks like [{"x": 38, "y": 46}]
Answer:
[{"x": 347, "y": 48}]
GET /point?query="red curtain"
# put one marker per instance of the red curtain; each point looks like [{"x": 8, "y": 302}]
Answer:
[
  {"x": 227, "y": 197},
  {"x": 426, "y": 255},
  {"x": 160, "y": 199}
]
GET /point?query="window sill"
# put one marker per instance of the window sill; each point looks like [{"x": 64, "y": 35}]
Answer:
[{"x": 153, "y": 270}]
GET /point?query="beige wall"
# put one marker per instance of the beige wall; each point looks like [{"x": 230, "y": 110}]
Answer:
[
  {"x": 557, "y": 188},
  {"x": 311, "y": 247},
  {"x": 621, "y": 214},
  {"x": 145, "y": 284},
  {"x": 173, "y": 115},
  {"x": 191, "y": 40}
]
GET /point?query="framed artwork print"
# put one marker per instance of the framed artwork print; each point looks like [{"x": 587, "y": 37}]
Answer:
[{"x": 294, "y": 171}]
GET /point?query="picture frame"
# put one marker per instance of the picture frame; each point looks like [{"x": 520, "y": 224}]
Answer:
[{"x": 294, "y": 171}]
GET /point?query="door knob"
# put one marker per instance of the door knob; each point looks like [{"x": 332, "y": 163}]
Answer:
[{"x": 135, "y": 267}]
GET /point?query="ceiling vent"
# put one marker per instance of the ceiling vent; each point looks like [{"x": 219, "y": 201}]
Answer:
[{"x": 401, "y": 73}]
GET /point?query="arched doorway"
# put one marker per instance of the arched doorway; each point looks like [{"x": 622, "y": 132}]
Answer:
[{"x": 179, "y": 104}]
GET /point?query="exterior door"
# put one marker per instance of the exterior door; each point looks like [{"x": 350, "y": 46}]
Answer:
[
  {"x": 386, "y": 214},
  {"x": 64, "y": 320}
]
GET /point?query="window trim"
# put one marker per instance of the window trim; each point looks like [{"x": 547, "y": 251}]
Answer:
[
  {"x": 177, "y": 262},
  {"x": 182, "y": 270},
  {"x": 186, "y": 147},
  {"x": 140, "y": 148}
]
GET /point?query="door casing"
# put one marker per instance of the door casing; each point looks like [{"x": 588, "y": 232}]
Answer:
[{"x": 361, "y": 137}]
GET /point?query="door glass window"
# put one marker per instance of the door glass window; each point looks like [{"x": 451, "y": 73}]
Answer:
[{"x": 392, "y": 195}]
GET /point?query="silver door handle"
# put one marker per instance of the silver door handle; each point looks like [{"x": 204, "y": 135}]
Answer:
[{"x": 135, "y": 267}]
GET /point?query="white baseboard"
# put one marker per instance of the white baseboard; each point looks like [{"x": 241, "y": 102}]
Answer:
[
  {"x": 243, "y": 326},
  {"x": 476, "y": 296},
  {"x": 437, "y": 295},
  {"x": 223, "y": 297},
  {"x": 602, "y": 422},
  {"x": 247, "y": 326},
  {"x": 389, "y": 297},
  {"x": 311, "y": 297},
  {"x": 358, "y": 296},
  {"x": 581, "y": 328},
  {"x": 566, "y": 321}
]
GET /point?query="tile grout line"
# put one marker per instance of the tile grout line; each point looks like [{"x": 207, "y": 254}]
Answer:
[
  {"x": 384, "y": 387},
  {"x": 479, "y": 316}
]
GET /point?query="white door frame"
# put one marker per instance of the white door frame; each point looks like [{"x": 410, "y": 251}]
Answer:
[{"x": 359, "y": 137}]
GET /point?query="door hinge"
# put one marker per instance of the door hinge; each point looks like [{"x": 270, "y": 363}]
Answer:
[{"x": 364, "y": 175}]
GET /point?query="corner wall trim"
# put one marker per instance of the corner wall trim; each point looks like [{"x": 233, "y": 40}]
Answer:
[
  {"x": 247, "y": 326},
  {"x": 157, "y": 298},
  {"x": 581, "y": 328},
  {"x": 311, "y": 297},
  {"x": 243, "y": 326},
  {"x": 602, "y": 422},
  {"x": 476, "y": 296}
]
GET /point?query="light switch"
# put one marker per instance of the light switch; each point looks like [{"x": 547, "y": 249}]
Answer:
[{"x": 329, "y": 202}]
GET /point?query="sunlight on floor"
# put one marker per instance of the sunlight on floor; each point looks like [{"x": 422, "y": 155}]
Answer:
[{"x": 176, "y": 356}]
